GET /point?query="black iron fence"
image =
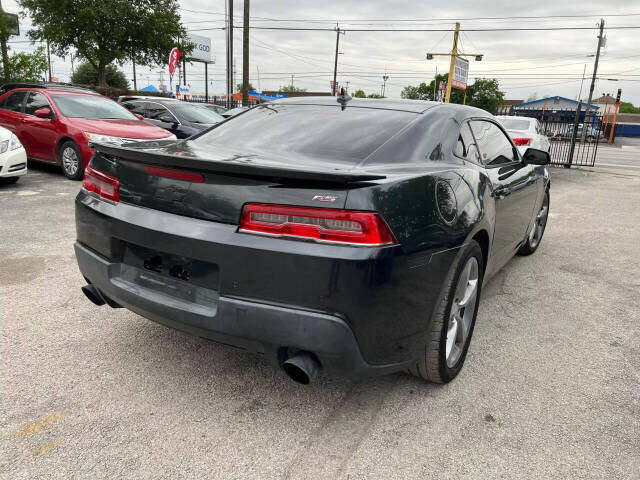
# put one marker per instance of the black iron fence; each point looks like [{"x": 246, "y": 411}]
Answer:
[{"x": 574, "y": 135}]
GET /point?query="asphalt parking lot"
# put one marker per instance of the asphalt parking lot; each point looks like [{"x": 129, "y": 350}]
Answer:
[{"x": 551, "y": 387}]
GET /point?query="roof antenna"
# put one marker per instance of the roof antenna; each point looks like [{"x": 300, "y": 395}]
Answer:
[{"x": 343, "y": 98}]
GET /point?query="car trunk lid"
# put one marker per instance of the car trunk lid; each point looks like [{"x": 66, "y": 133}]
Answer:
[{"x": 180, "y": 179}]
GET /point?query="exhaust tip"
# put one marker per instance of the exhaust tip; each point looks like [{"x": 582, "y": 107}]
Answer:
[
  {"x": 302, "y": 367},
  {"x": 93, "y": 294}
]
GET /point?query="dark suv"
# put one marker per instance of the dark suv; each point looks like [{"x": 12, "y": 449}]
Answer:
[{"x": 183, "y": 119}]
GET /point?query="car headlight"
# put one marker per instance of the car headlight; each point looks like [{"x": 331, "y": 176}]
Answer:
[
  {"x": 170, "y": 137},
  {"x": 12, "y": 144},
  {"x": 99, "y": 138}
]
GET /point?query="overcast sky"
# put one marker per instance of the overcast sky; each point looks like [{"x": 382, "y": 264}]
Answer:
[{"x": 526, "y": 63}]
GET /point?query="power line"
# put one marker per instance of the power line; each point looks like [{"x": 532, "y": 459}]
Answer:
[{"x": 499, "y": 29}]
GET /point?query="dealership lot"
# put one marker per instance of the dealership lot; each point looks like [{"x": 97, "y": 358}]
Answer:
[{"x": 551, "y": 388}]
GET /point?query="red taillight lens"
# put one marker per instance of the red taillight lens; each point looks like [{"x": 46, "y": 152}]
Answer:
[
  {"x": 319, "y": 224},
  {"x": 104, "y": 185},
  {"x": 522, "y": 141}
]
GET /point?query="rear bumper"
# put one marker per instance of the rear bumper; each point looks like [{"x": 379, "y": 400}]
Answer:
[
  {"x": 253, "y": 326},
  {"x": 365, "y": 309},
  {"x": 13, "y": 163}
]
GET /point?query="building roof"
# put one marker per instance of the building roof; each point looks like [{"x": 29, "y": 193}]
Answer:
[
  {"x": 605, "y": 99},
  {"x": 557, "y": 97}
]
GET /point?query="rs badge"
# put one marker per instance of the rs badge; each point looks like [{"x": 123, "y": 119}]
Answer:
[{"x": 324, "y": 198}]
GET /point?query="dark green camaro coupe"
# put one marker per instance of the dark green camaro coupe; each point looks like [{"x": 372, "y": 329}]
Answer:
[{"x": 350, "y": 235}]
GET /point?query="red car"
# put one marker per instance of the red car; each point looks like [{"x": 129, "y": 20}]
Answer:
[{"x": 55, "y": 124}]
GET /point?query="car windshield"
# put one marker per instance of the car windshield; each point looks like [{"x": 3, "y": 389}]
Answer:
[
  {"x": 195, "y": 113},
  {"x": 317, "y": 130},
  {"x": 91, "y": 106},
  {"x": 514, "y": 124}
]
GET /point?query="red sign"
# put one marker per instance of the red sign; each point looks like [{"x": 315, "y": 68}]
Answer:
[{"x": 174, "y": 58}]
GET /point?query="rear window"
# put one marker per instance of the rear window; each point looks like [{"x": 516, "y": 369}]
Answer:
[
  {"x": 514, "y": 124},
  {"x": 91, "y": 106},
  {"x": 316, "y": 130}
]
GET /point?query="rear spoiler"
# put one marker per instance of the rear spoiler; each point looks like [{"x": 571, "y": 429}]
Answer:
[{"x": 231, "y": 168}]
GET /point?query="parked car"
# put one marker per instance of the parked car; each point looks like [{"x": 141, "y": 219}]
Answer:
[
  {"x": 233, "y": 112},
  {"x": 183, "y": 119},
  {"x": 593, "y": 133},
  {"x": 56, "y": 124},
  {"x": 13, "y": 158},
  {"x": 352, "y": 237},
  {"x": 525, "y": 132}
]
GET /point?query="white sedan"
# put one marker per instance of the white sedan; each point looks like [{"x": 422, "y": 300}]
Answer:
[
  {"x": 13, "y": 158},
  {"x": 525, "y": 132}
]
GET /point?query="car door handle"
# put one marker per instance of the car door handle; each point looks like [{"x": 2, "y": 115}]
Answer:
[{"x": 501, "y": 192}]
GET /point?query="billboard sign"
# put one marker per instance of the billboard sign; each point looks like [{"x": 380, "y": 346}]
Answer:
[
  {"x": 201, "y": 48},
  {"x": 460, "y": 73}
]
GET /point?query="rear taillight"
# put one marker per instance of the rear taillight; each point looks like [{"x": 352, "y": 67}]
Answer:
[
  {"x": 318, "y": 224},
  {"x": 175, "y": 174},
  {"x": 522, "y": 141},
  {"x": 104, "y": 185}
]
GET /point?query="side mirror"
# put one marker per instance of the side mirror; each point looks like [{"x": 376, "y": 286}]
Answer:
[
  {"x": 140, "y": 117},
  {"x": 533, "y": 156},
  {"x": 43, "y": 113}
]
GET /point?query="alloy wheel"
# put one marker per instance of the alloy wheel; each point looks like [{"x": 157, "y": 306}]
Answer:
[
  {"x": 70, "y": 161},
  {"x": 540, "y": 223},
  {"x": 462, "y": 311}
]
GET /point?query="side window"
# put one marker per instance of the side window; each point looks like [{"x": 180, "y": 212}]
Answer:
[
  {"x": 14, "y": 101},
  {"x": 35, "y": 102},
  {"x": 495, "y": 148},
  {"x": 466, "y": 147},
  {"x": 135, "y": 107},
  {"x": 160, "y": 113}
]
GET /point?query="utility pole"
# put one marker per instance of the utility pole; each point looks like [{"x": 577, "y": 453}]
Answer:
[
  {"x": 335, "y": 65},
  {"x": 385, "y": 77},
  {"x": 5, "y": 54},
  {"x": 454, "y": 54},
  {"x": 452, "y": 64},
  {"x": 593, "y": 82},
  {"x": 229, "y": 11},
  {"x": 245, "y": 55},
  {"x": 292, "y": 82},
  {"x": 135, "y": 85},
  {"x": 435, "y": 84},
  {"x": 582, "y": 82},
  {"x": 258, "y": 71},
  {"x": 49, "y": 60}
]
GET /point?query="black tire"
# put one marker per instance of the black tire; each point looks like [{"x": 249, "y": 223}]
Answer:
[
  {"x": 8, "y": 180},
  {"x": 432, "y": 366},
  {"x": 533, "y": 240},
  {"x": 72, "y": 170}
]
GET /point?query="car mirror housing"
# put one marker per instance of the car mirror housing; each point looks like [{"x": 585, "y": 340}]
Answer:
[
  {"x": 43, "y": 113},
  {"x": 533, "y": 156}
]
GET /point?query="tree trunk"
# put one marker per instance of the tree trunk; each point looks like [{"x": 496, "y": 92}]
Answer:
[{"x": 102, "y": 75}]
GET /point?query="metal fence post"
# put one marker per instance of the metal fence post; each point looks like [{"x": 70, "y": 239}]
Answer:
[{"x": 573, "y": 136}]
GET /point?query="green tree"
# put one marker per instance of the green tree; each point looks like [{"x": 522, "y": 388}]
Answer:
[
  {"x": 483, "y": 93},
  {"x": 239, "y": 87},
  {"x": 104, "y": 31},
  {"x": 27, "y": 66},
  {"x": 532, "y": 97},
  {"x": 359, "y": 94},
  {"x": 291, "y": 89},
  {"x": 374, "y": 95},
  {"x": 628, "y": 107},
  {"x": 85, "y": 74}
]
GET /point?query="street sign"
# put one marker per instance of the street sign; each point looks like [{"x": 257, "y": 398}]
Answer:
[
  {"x": 460, "y": 73},
  {"x": 201, "y": 48}
]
